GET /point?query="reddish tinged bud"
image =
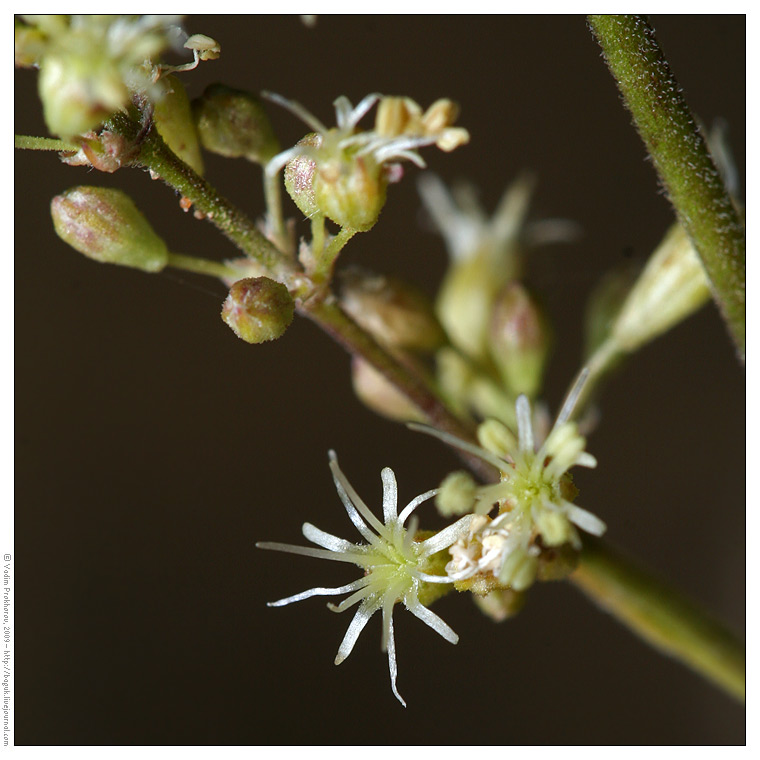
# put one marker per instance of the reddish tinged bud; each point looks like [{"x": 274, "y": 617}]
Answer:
[
  {"x": 258, "y": 309},
  {"x": 105, "y": 225}
]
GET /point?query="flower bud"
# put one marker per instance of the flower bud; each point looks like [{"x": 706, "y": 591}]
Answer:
[
  {"x": 175, "y": 123},
  {"x": 258, "y": 309},
  {"x": 672, "y": 286},
  {"x": 105, "y": 225},
  {"x": 381, "y": 396},
  {"x": 456, "y": 494},
  {"x": 350, "y": 190},
  {"x": 496, "y": 437},
  {"x": 519, "y": 339},
  {"x": 299, "y": 177},
  {"x": 395, "y": 312},
  {"x": 29, "y": 44},
  {"x": 233, "y": 123}
]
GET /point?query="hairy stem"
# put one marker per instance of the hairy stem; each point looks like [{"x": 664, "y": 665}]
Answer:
[
  {"x": 153, "y": 153},
  {"x": 680, "y": 156},
  {"x": 661, "y": 615},
  {"x": 29, "y": 142},
  {"x": 202, "y": 266}
]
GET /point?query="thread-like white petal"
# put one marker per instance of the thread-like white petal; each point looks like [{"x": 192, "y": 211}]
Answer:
[
  {"x": 326, "y": 540},
  {"x": 572, "y": 397},
  {"x": 586, "y": 460},
  {"x": 430, "y": 618},
  {"x": 414, "y": 503},
  {"x": 356, "y": 558},
  {"x": 342, "y": 484},
  {"x": 446, "y": 537},
  {"x": 585, "y": 520},
  {"x": 458, "y": 443},
  {"x": 317, "y": 592},
  {"x": 297, "y": 109},
  {"x": 362, "y": 593},
  {"x": 277, "y": 162},
  {"x": 361, "y": 108},
  {"x": 390, "y": 495},
  {"x": 363, "y": 614},
  {"x": 524, "y": 424},
  {"x": 392, "y": 665}
]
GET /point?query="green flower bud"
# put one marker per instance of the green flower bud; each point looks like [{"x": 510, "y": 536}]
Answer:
[
  {"x": 500, "y": 604},
  {"x": 554, "y": 527},
  {"x": 496, "y": 437},
  {"x": 672, "y": 286},
  {"x": 258, "y": 309},
  {"x": 79, "y": 89},
  {"x": 233, "y": 123},
  {"x": 380, "y": 396},
  {"x": 175, "y": 123},
  {"x": 105, "y": 225},
  {"x": 395, "y": 312},
  {"x": 519, "y": 339},
  {"x": 350, "y": 189},
  {"x": 456, "y": 494},
  {"x": 299, "y": 177}
]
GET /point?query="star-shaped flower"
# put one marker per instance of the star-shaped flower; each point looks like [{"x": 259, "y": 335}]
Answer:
[{"x": 397, "y": 567}]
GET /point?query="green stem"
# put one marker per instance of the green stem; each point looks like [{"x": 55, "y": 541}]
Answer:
[
  {"x": 681, "y": 157},
  {"x": 326, "y": 258},
  {"x": 29, "y": 142},
  {"x": 202, "y": 266},
  {"x": 661, "y": 615},
  {"x": 154, "y": 154}
]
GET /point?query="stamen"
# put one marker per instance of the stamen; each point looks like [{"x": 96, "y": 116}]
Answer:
[
  {"x": 414, "y": 503},
  {"x": 572, "y": 397},
  {"x": 524, "y": 424},
  {"x": 458, "y": 443},
  {"x": 390, "y": 495}
]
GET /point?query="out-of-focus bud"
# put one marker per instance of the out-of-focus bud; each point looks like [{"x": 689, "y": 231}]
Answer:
[
  {"x": 258, "y": 309},
  {"x": 519, "y": 340},
  {"x": 79, "y": 90},
  {"x": 395, "y": 312},
  {"x": 495, "y": 436},
  {"x": 105, "y": 225},
  {"x": 672, "y": 286},
  {"x": 299, "y": 177},
  {"x": 175, "y": 123},
  {"x": 380, "y": 396},
  {"x": 350, "y": 190},
  {"x": 604, "y": 305},
  {"x": 456, "y": 494},
  {"x": 519, "y": 570},
  {"x": 233, "y": 123},
  {"x": 500, "y": 604}
]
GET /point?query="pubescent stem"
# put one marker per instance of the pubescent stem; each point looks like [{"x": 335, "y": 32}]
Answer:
[
  {"x": 153, "y": 153},
  {"x": 203, "y": 266},
  {"x": 30, "y": 142},
  {"x": 661, "y": 615},
  {"x": 680, "y": 156}
]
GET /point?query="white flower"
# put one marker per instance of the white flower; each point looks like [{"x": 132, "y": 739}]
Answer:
[
  {"x": 395, "y": 565},
  {"x": 531, "y": 496}
]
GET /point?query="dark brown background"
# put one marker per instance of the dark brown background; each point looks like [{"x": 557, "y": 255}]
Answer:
[{"x": 154, "y": 448}]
